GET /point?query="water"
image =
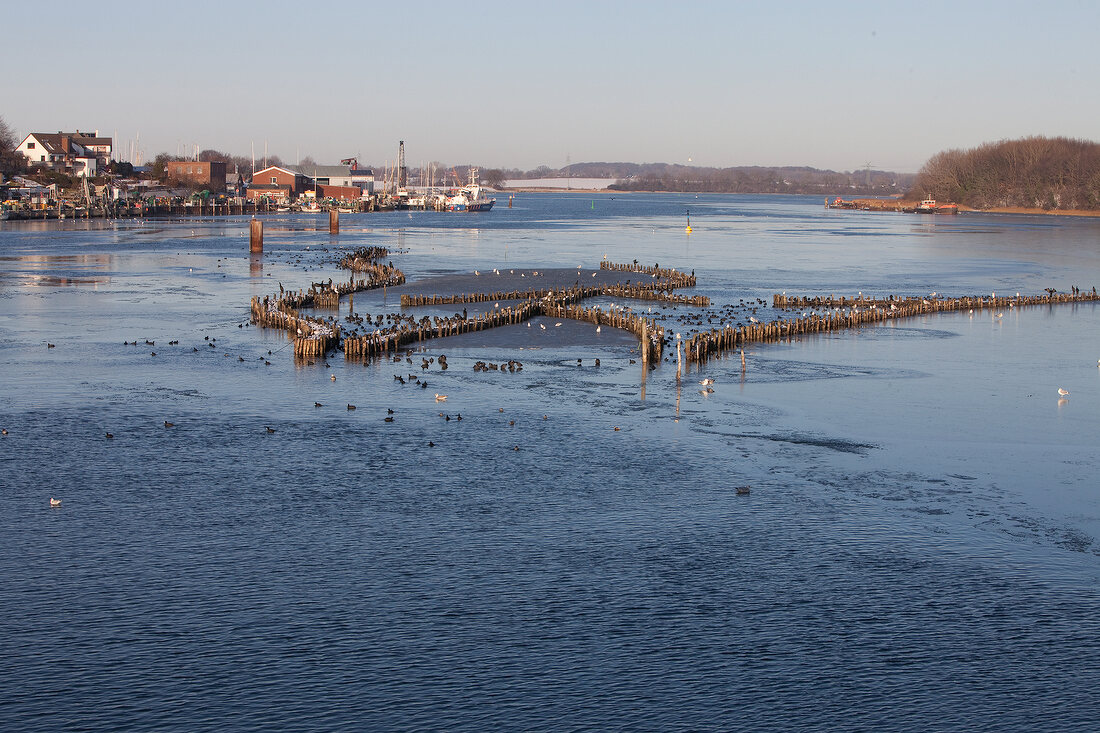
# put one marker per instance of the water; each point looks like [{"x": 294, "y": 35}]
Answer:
[{"x": 919, "y": 548}]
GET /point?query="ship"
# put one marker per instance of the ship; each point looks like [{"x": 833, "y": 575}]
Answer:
[
  {"x": 470, "y": 198},
  {"x": 929, "y": 206}
]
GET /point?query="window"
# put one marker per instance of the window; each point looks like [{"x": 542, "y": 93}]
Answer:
[
  {"x": 274, "y": 180},
  {"x": 30, "y": 146}
]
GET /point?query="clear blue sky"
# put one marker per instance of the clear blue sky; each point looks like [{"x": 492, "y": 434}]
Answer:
[{"x": 522, "y": 84}]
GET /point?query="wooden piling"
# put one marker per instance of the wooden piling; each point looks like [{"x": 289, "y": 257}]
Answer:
[
  {"x": 333, "y": 221},
  {"x": 256, "y": 236}
]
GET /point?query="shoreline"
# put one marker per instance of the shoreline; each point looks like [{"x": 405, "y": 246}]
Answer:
[
  {"x": 899, "y": 204},
  {"x": 873, "y": 204}
]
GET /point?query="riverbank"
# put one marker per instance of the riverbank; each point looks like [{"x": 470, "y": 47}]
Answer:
[{"x": 904, "y": 205}]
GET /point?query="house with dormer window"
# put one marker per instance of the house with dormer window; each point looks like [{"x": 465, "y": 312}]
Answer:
[{"x": 72, "y": 153}]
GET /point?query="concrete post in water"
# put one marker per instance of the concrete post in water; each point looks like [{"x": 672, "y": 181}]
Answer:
[
  {"x": 256, "y": 236},
  {"x": 333, "y": 221}
]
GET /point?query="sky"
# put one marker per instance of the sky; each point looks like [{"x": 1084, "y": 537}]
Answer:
[{"x": 831, "y": 85}]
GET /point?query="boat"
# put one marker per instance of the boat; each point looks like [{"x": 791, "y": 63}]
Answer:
[
  {"x": 470, "y": 198},
  {"x": 929, "y": 206}
]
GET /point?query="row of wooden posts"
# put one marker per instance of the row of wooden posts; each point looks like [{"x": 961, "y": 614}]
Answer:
[
  {"x": 314, "y": 336},
  {"x": 712, "y": 344},
  {"x": 658, "y": 291},
  {"x": 681, "y": 279},
  {"x": 385, "y": 341},
  {"x": 931, "y": 303}
]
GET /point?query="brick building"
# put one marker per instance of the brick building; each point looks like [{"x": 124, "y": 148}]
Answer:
[{"x": 209, "y": 174}]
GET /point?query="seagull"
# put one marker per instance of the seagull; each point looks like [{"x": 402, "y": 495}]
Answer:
[
  {"x": 440, "y": 397},
  {"x": 542, "y": 327},
  {"x": 55, "y": 502},
  {"x": 1063, "y": 392},
  {"x": 598, "y": 330},
  {"x": 557, "y": 325}
]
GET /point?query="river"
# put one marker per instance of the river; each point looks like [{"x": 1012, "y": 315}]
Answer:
[{"x": 919, "y": 548}]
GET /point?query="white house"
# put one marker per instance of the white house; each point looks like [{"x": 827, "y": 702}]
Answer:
[{"x": 74, "y": 153}]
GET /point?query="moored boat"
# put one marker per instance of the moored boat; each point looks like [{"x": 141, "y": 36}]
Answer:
[
  {"x": 929, "y": 206},
  {"x": 470, "y": 198}
]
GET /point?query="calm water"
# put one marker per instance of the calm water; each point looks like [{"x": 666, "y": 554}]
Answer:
[{"x": 920, "y": 550}]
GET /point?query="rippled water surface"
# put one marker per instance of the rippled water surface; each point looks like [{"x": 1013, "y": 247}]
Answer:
[{"x": 920, "y": 548}]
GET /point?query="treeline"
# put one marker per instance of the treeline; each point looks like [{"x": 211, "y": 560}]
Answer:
[
  {"x": 757, "y": 179},
  {"x": 742, "y": 179},
  {"x": 1034, "y": 172}
]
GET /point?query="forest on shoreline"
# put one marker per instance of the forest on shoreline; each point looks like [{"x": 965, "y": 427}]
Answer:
[{"x": 1050, "y": 174}]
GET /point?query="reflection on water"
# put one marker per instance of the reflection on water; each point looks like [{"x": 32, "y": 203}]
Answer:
[{"x": 921, "y": 493}]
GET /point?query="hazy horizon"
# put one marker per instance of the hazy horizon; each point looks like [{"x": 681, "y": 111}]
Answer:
[{"x": 515, "y": 86}]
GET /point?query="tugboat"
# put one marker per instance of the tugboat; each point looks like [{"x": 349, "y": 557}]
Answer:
[{"x": 929, "y": 206}]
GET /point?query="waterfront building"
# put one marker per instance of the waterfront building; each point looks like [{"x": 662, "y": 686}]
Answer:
[
  {"x": 209, "y": 174},
  {"x": 73, "y": 153}
]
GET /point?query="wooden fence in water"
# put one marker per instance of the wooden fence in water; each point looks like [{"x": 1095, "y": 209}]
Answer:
[{"x": 854, "y": 312}]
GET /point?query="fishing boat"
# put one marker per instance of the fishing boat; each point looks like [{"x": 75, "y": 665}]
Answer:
[{"x": 470, "y": 198}]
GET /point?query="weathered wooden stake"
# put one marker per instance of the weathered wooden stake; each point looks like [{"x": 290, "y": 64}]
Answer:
[
  {"x": 333, "y": 221},
  {"x": 256, "y": 236},
  {"x": 679, "y": 358}
]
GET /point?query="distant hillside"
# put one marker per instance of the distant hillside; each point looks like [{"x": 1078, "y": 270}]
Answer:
[
  {"x": 1034, "y": 172},
  {"x": 743, "y": 179},
  {"x": 759, "y": 179}
]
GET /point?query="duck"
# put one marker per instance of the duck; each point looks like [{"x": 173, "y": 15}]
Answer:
[
  {"x": 440, "y": 397},
  {"x": 55, "y": 502}
]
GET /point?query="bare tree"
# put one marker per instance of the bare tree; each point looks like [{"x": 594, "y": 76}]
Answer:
[{"x": 10, "y": 161}]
